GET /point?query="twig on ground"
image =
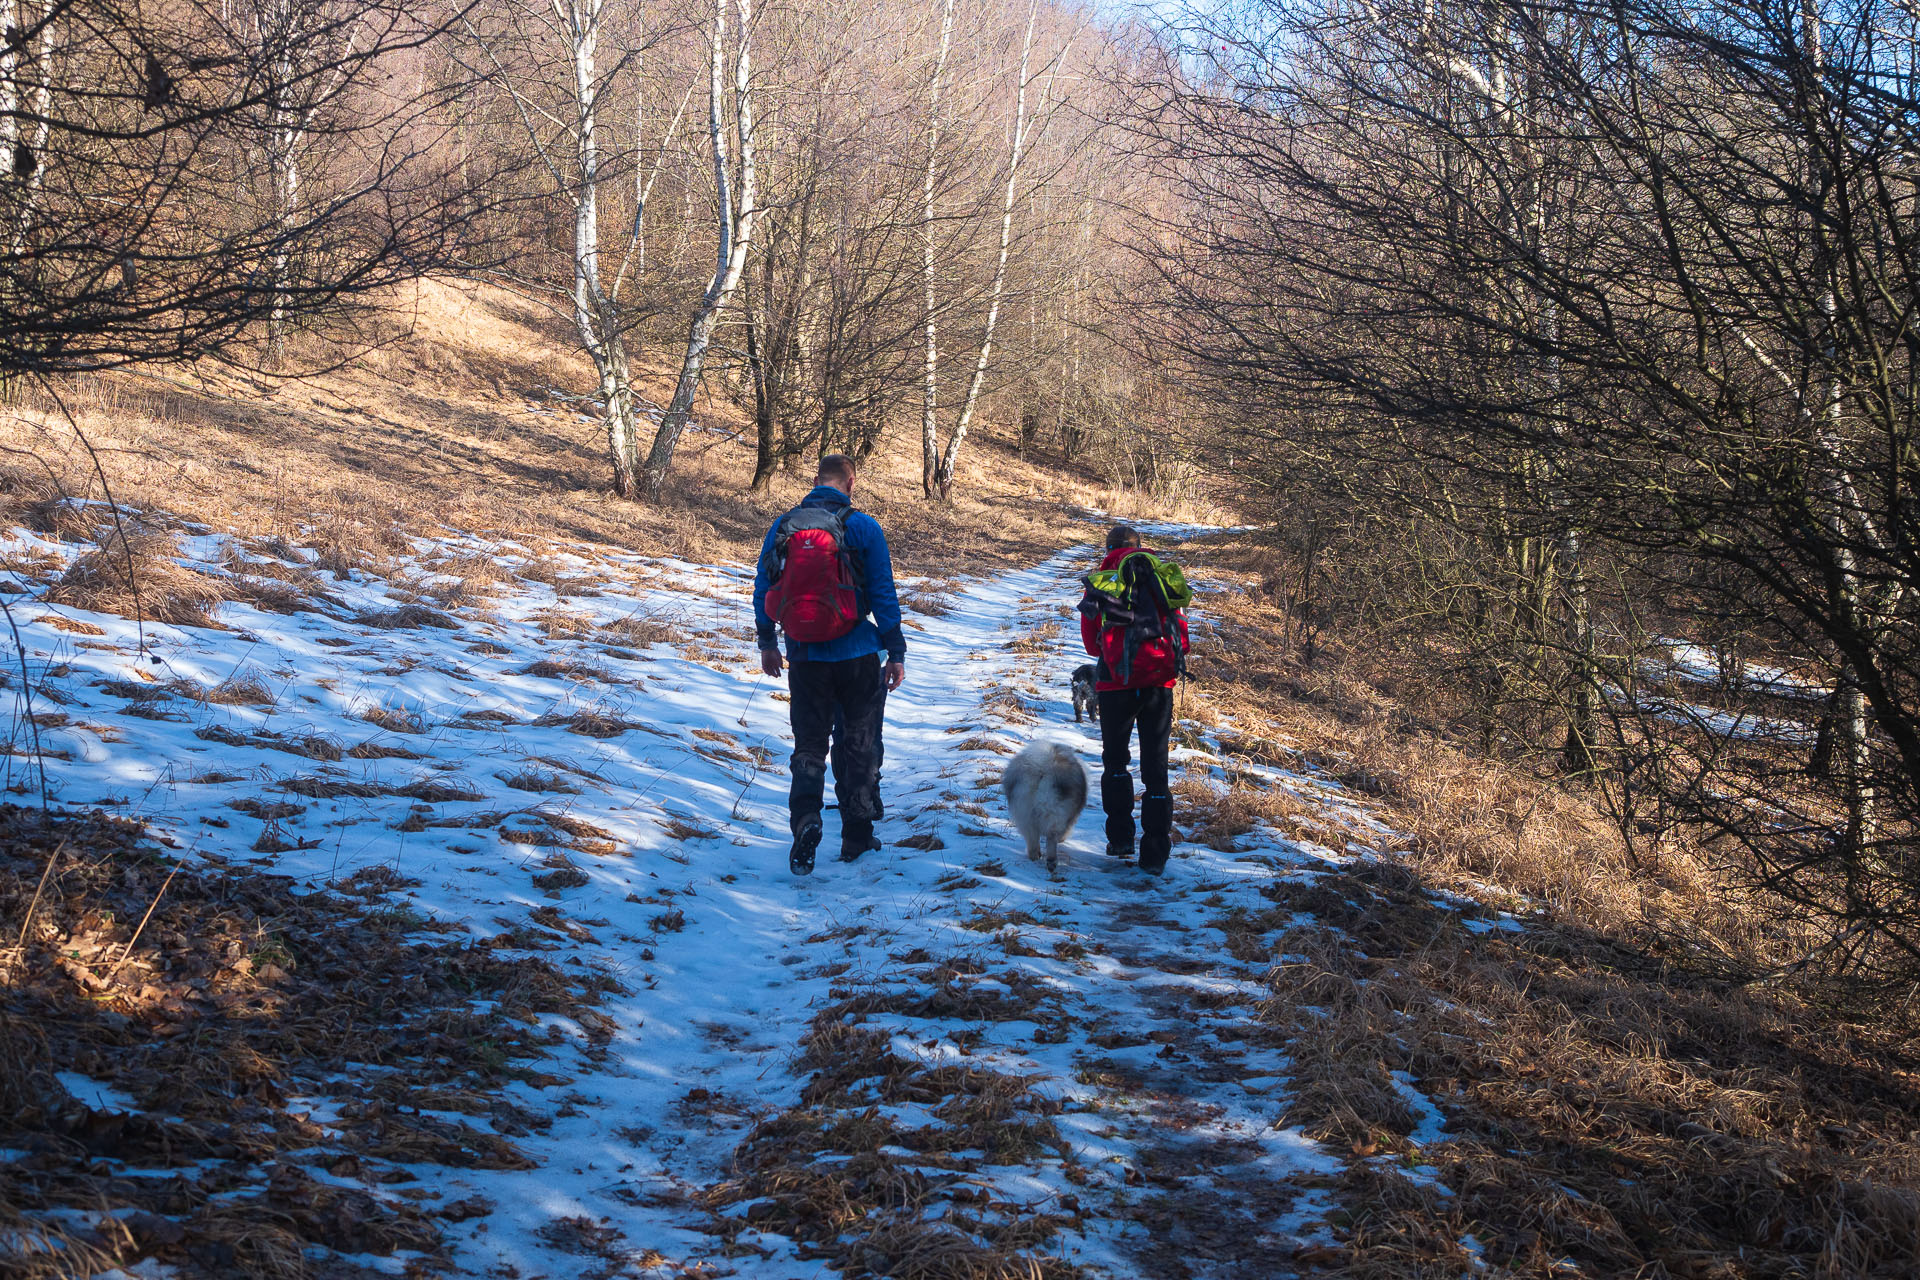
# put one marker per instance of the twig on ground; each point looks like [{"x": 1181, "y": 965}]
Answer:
[
  {"x": 128, "y": 949},
  {"x": 46, "y": 874}
]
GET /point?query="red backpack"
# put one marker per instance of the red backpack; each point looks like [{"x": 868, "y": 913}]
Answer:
[{"x": 815, "y": 592}]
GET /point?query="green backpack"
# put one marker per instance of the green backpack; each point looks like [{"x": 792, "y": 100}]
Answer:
[
  {"x": 1137, "y": 599},
  {"x": 1174, "y": 591}
]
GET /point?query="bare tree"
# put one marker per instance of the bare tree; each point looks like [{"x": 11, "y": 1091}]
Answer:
[
  {"x": 1016, "y": 151},
  {"x": 1601, "y": 324},
  {"x": 564, "y": 67},
  {"x": 735, "y": 212},
  {"x": 930, "y": 375},
  {"x": 128, "y": 130}
]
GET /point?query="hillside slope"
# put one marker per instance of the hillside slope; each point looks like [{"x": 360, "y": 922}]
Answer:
[{"x": 472, "y": 415}]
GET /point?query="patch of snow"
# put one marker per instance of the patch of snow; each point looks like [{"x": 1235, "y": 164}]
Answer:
[
  {"x": 93, "y": 1094},
  {"x": 673, "y": 753}
]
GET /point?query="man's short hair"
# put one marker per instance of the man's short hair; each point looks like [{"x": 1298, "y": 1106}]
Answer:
[
  {"x": 835, "y": 468},
  {"x": 1122, "y": 535}
]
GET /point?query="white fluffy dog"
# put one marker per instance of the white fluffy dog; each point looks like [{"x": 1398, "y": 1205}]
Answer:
[{"x": 1046, "y": 790}]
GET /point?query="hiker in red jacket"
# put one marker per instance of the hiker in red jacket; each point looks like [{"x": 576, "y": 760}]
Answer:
[{"x": 1142, "y": 655}]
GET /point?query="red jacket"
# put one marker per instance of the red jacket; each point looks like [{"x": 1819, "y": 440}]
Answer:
[{"x": 1153, "y": 664}]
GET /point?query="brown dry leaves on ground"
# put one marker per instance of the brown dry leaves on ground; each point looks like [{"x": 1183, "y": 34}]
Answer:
[
  {"x": 1617, "y": 1103},
  {"x": 222, "y": 1004}
]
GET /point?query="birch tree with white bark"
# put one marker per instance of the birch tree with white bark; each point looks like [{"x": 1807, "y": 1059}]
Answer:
[
  {"x": 730, "y": 126},
  {"x": 938, "y": 475},
  {"x": 564, "y": 68}
]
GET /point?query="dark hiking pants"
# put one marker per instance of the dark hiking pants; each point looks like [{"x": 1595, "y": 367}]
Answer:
[
  {"x": 1152, "y": 711},
  {"x": 852, "y": 691},
  {"x": 838, "y": 757}
]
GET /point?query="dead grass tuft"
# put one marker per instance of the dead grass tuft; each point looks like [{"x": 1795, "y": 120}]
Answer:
[
  {"x": 240, "y": 690},
  {"x": 461, "y": 580},
  {"x": 590, "y": 723},
  {"x": 72, "y": 626},
  {"x": 934, "y": 602},
  {"x": 538, "y": 780},
  {"x": 394, "y": 719},
  {"x": 408, "y": 617},
  {"x": 638, "y": 632},
  {"x": 138, "y": 575}
]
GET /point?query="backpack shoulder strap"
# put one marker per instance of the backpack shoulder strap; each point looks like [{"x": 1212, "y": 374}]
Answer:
[
  {"x": 775, "y": 552},
  {"x": 832, "y": 519}
]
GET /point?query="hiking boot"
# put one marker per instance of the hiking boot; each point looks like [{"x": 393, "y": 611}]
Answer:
[
  {"x": 806, "y": 839},
  {"x": 1124, "y": 852},
  {"x": 851, "y": 850}
]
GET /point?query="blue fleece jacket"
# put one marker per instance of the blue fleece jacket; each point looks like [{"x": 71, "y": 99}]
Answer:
[{"x": 868, "y": 547}]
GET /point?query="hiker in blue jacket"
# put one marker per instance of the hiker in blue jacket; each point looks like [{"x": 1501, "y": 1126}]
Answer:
[{"x": 840, "y": 678}]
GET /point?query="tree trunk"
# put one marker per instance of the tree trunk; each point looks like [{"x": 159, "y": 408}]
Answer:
[
  {"x": 930, "y": 385},
  {"x": 1577, "y": 754},
  {"x": 766, "y": 454},
  {"x": 27, "y": 152},
  {"x": 943, "y": 479},
  {"x": 594, "y": 314},
  {"x": 735, "y": 235}
]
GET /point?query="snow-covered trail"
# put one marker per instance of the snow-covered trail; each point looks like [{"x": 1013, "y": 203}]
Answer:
[{"x": 938, "y": 1047}]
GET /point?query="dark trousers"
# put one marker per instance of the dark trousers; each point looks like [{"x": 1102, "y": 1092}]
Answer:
[
  {"x": 838, "y": 756},
  {"x": 821, "y": 691},
  {"x": 1152, "y": 711}
]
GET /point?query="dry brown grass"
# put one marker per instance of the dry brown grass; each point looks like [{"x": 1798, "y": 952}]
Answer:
[
  {"x": 876, "y": 1198},
  {"x": 449, "y": 425},
  {"x": 1040, "y": 639},
  {"x": 935, "y": 600},
  {"x": 243, "y": 689},
  {"x": 591, "y": 722},
  {"x": 538, "y": 780},
  {"x": 1617, "y": 1104},
  {"x": 394, "y": 719},
  {"x": 638, "y": 632},
  {"x": 231, "y": 997},
  {"x": 132, "y": 571},
  {"x": 1601, "y": 1106},
  {"x": 1218, "y": 817}
]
